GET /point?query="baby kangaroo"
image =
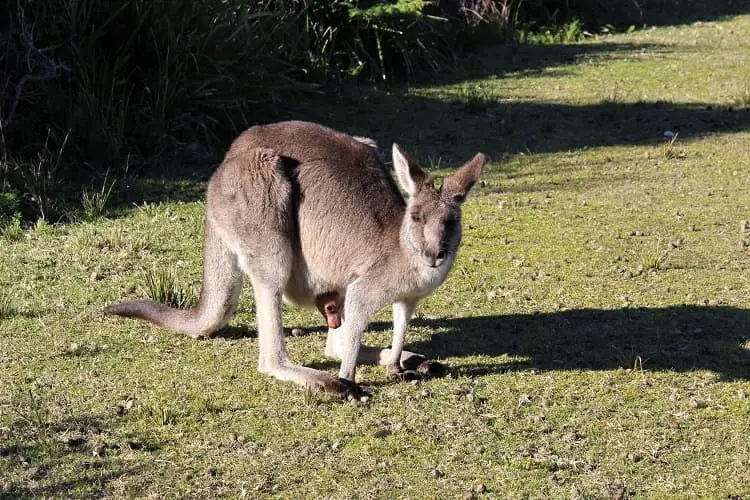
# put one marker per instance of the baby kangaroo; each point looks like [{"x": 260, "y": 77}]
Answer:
[{"x": 312, "y": 215}]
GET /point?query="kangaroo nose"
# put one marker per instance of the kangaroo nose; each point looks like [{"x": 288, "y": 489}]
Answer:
[{"x": 433, "y": 258}]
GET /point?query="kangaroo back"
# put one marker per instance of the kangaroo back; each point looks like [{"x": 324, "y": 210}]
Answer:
[{"x": 346, "y": 205}]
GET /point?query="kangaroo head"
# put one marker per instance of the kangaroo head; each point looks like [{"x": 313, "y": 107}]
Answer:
[{"x": 431, "y": 229}]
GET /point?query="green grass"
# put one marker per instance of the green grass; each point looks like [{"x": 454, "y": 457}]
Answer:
[
  {"x": 596, "y": 324},
  {"x": 161, "y": 286}
]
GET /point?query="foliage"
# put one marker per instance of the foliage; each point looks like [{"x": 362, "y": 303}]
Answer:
[
  {"x": 91, "y": 89},
  {"x": 95, "y": 87},
  {"x": 8, "y": 208},
  {"x": 593, "y": 14},
  {"x": 128, "y": 81},
  {"x": 567, "y": 33},
  {"x": 402, "y": 39}
]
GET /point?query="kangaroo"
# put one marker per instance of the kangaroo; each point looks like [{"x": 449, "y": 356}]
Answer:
[{"x": 303, "y": 211}]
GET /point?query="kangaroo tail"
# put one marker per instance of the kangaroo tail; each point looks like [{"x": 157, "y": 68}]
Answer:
[{"x": 222, "y": 283}]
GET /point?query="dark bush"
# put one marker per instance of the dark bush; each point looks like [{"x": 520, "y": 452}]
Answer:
[
  {"x": 89, "y": 89},
  {"x": 95, "y": 87}
]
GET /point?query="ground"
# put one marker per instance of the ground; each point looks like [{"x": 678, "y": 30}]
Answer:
[{"x": 596, "y": 325}]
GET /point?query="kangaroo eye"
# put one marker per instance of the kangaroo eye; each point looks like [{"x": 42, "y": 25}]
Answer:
[{"x": 415, "y": 217}]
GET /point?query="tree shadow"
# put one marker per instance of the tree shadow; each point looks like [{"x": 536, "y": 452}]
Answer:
[
  {"x": 676, "y": 12},
  {"x": 446, "y": 127},
  {"x": 521, "y": 59},
  {"x": 637, "y": 13},
  {"x": 453, "y": 127},
  {"x": 45, "y": 450},
  {"x": 453, "y": 130},
  {"x": 677, "y": 338}
]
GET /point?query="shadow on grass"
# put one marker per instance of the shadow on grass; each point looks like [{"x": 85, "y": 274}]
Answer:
[
  {"x": 636, "y": 12},
  {"x": 455, "y": 134},
  {"x": 679, "y": 338},
  {"x": 454, "y": 127},
  {"x": 674, "y": 12},
  {"x": 88, "y": 482},
  {"x": 56, "y": 455},
  {"x": 453, "y": 131}
]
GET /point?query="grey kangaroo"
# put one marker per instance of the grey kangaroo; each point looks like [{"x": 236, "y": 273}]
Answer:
[{"x": 305, "y": 211}]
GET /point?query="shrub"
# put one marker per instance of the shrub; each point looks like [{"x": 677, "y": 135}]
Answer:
[
  {"x": 131, "y": 79},
  {"x": 94, "y": 86}
]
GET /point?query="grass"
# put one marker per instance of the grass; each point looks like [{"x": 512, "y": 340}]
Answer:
[
  {"x": 94, "y": 202},
  {"x": 478, "y": 100},
  {"x": 12, "y": 232},
  {"x": 668, "y": 150},
  {"x": 596, "y": 324},
  {"x": 161, "y": 286},
  {"x": 6, "y": 304}
]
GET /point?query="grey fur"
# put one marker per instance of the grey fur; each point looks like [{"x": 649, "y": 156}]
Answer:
[{"x": 303, "y": 210}]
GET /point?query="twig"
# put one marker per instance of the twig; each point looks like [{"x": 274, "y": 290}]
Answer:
[{"x": 39, "y": 66}]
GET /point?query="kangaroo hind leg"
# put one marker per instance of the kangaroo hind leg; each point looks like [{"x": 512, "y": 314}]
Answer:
[{"x": 257, "y": 215}]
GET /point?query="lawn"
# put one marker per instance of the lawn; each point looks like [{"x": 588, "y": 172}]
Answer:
[{"x": 596, "y": 325}]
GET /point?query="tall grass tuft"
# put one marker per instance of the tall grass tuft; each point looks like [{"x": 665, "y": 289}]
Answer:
[
  {"x": 161, "y": 286},
  {"x": 91, "y": 84},
  {"x": 95, "y": 202},
  {"x": 668, "y": 149}
]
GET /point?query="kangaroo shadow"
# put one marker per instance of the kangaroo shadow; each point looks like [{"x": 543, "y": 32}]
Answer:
[
  {"x": 238, "y": 332},
  {"x": 678, "y": 338}
]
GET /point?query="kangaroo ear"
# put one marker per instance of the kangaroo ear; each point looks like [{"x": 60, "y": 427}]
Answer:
[
  {"x": 458, "y": 185},
  {"x": 409, "y": 175}
]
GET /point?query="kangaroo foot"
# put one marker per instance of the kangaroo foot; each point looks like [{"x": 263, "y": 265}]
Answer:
[
  {"x": 354, "y": 392},
  {"x": 424, "y": 367},
  {"x": 395, "y": 372},
  {"x": 346, "y": 390},
  {"x": 432, "y": 369}
]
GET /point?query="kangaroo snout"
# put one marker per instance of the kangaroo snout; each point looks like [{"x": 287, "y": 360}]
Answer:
[{"x": 434, "y": 258}]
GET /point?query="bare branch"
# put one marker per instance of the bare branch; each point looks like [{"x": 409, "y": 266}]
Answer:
[{"x": 38, "y": 65}]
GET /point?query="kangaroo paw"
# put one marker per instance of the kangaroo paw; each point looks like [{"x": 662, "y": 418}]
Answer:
[
  {"x": 398, "y": 374},
  {"x": 423, "y": 366},
  {"x": 406, "y": 376},
  {"x": 430, "y": 368},
  {"x": 345, "y": 389},
  {"x": 413, "y": 361},
  {"x": 353, "y": 392}
]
